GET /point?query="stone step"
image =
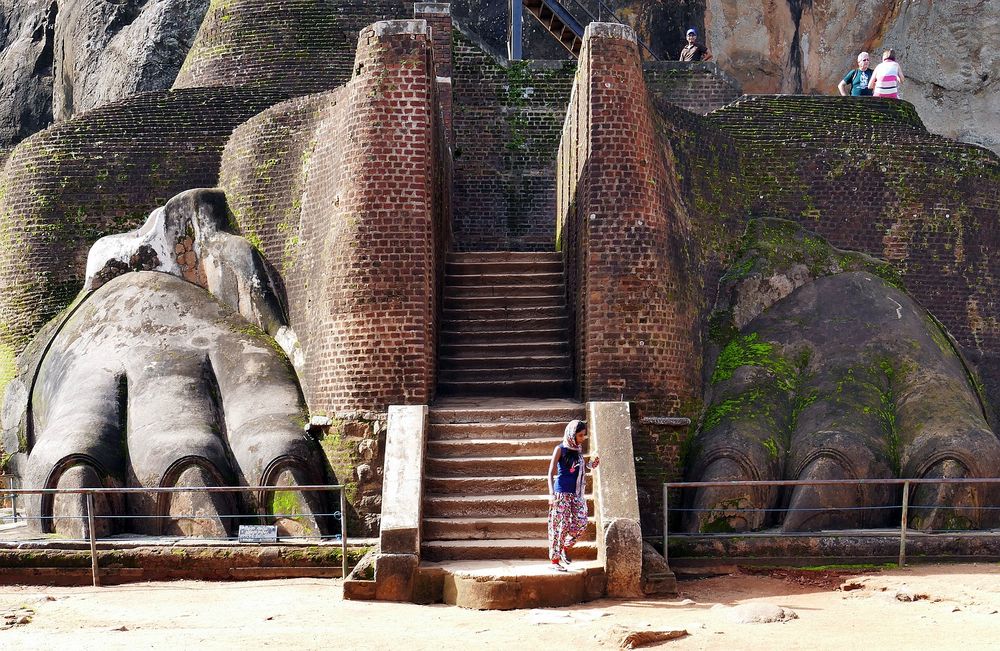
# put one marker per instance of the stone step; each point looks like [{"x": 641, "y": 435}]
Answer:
[
  {"x": 489, "y": 351},
  {"x": 534, "y": 388},
  {"x": 512, "y": 548},
  {"x": 504, "y": 374},
  {"x": 506, "y": 485},
  {"x": 509, "y": 584},
  {"x": 502, "y": 279},
  {"x": 513, "y": 313},
  {"x": 504, "y": 256},
  {"x": 473, "y": 324},
  {"x": 490, "y": 506},
  {"x": 485, "y": 447},
  {"x": 492, "y": 528},
  {"x": 502, "y": 417},
  {"x": 497, "y": 430},
  {"x": 489, "y": 466},
  {"x": 505, "y": 291},
  {"x": 503, "y": 267},
  {"x": 496, "y": 363},
  {"x": 503, "y": 302},
  {"x": 503, "y": 336}
]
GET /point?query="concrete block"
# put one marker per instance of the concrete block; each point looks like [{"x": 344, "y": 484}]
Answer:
[{"x": 394, "y": 576}]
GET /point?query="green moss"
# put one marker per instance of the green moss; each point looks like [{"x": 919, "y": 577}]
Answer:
[
  {"x": 748, "y": 350},
  {"x": 8, "y": 368}
]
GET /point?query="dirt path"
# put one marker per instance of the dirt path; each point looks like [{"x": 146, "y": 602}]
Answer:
[{"x": 928, "y": 607}]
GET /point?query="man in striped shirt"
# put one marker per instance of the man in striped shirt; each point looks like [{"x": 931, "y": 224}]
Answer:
[{"x": 887, "y": 76}]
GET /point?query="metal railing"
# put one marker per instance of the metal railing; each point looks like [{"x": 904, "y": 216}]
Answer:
[
  {"x": 603, "y": 11},
  {"x": 90, "y": 516},
  {"x": 8, "y": 499},
  {"x": 904, "y": 507}
]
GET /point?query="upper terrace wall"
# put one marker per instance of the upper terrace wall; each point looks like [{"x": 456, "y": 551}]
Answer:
[
  {"x": 697, "y": 87},
  {"x": 297, "y": 46},
  {"x": 343, "y": 193},
  {"x": 100, "y": 173},
  {"x": 507, "y": 121}
]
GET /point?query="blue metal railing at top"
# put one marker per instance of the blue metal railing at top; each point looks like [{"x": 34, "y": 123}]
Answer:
[{"x": 904, "y": 506}]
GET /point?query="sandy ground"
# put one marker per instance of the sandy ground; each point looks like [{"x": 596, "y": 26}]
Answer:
[{"x": 926, "y": 607}]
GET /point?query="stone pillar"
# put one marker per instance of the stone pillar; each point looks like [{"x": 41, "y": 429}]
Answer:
[
  {"x": 616, "y": 501},
  {"x": 438, "y": 17},
  {"x": 402, "y": 495}
]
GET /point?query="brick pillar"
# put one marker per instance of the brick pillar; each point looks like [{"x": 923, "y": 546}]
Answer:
[
  {"x": 625, "y": 234},
  {"x": 438, "y": 17}
]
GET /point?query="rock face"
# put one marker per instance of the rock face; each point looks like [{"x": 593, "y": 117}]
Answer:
[
  {"x": 828, "y": 372},
  {"x": 948, "y": 51},
  {"x": 60, "y": 59},
  {"x": 107, "y": 51},
  {"x": 26, "y": 46}
]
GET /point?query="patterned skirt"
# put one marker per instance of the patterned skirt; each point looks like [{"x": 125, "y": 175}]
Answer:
[{"x": 567, "y": 522}]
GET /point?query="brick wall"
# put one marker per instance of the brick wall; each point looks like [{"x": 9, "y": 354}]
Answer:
[
  {"x": 101, "y": 173},
  {"x": 698, "y": 87},
  {"x": 507, "y": 123},
  {"x": 625, "y": 233},
  {"x": 295, "y": 46},
  {"x": 343, "y": 191}
]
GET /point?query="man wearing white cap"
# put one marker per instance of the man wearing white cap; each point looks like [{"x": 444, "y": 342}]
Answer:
[{"x": 694, "y": 51}]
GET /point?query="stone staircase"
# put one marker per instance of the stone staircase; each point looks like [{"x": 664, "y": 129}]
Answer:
[
  {"x": 485, "y": 493},
  {"x": 504, "y": 328}
]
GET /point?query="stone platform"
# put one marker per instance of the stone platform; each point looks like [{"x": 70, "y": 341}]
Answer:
[{"x": 511, "y": 584}]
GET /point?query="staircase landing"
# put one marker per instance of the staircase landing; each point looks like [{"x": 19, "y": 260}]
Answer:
[{"x": 510, "y": 584}]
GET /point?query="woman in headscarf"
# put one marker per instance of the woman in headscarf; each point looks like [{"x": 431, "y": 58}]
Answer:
[{"x": 567, "y": 504}]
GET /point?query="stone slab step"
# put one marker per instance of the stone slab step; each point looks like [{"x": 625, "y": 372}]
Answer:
[
  {"x": 504, "y": 291},
  {"x": 492, "y": 528},
  {"x": 504, "y": 256},
  {"x": 500, "y": 430},
  {"x": 495, "y": 363},
  {"x": 490, "y": 506},
  {"x": 503, "y": 267},
  {"x": 510, "y": 485},
  {"x": 500, "y": 416},
  {"x": 504, "y": 374},
  {"x": 511, "y": 313},
  {"x": 502, "y": 279},
  {"x": 503, "y": 302},
  {"x": 486, "y": 466},
  {"x": 509, "y": 584},
  {"x": 499, "y": 336},
  {"x": 486, "y": 447},
  {"x": 487, "y": 388},
  {"x": 509, "y": 548},
  {"x": 488, "y": 350},
  {"x": 504, "y": 323}
]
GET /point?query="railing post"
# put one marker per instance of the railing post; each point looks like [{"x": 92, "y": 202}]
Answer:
[
  {"x": 516, "y": 28},
  {"x": 93, "y": 538},
  {"x": 666, "y": 513},
  {"x": 902, "y": 523},
  {"x": 343, "y": 535}
]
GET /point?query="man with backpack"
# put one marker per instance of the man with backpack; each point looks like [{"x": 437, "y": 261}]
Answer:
[{"x": 856, "y": 81}]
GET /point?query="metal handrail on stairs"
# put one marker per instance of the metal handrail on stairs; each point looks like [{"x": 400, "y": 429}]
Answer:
[{"x": 562, "y": 19}]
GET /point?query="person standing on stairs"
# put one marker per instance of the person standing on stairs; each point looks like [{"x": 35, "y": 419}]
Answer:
[{"x": 567, "y": 504}]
